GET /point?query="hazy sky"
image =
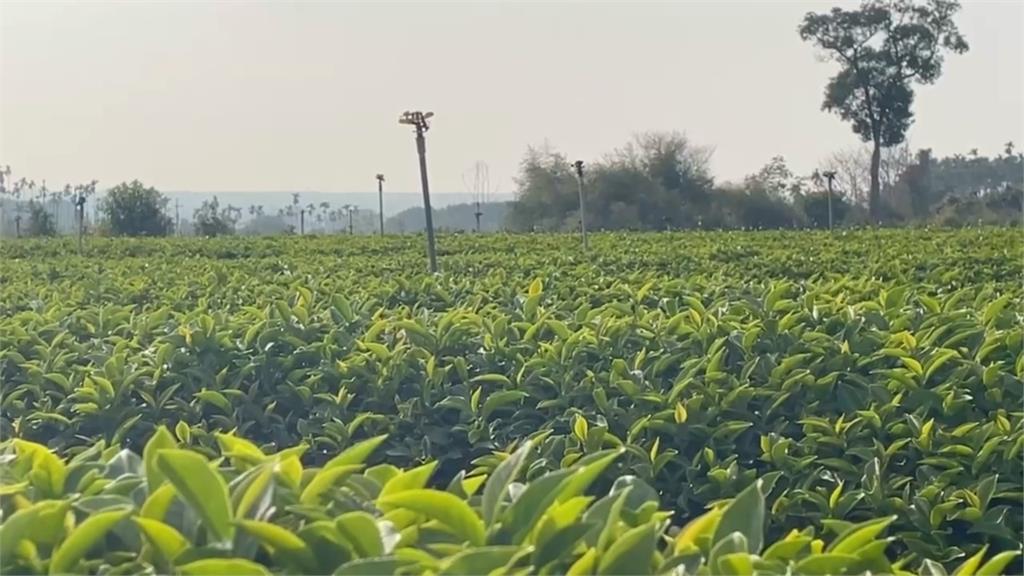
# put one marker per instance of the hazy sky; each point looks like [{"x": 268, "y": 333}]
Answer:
[{"x": 218, "y": 96}]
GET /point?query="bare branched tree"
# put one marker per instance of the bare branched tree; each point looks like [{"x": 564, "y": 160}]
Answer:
[{"x": 853, "y": 170}]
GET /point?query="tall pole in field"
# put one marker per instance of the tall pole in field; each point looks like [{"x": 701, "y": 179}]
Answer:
[
  {"x": 419, "y": 121},
  {"x": 579, "y": 184},
  {"x": 830, "y": 176},
  {"x": 380, "y": 199},
  {"x": 43, "y": 191},
  {"x": 80, "y": 210}
]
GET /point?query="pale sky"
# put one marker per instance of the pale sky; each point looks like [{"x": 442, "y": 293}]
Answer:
[{"x": 261, "y": 96}]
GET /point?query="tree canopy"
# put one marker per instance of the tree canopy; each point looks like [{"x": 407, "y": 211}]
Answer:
[
  {"x": 658, "y": 180},
  {"x": 212, "y": 220},
  {"x": 133, "y": 209}
]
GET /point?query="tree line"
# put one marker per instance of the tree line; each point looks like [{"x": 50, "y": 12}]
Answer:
[
  {"x": 657, "y": 181},
  {"x": 661, "y": 181}
]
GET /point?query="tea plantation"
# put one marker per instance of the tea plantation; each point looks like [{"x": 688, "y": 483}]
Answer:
[{"x": 684, "y": 403}]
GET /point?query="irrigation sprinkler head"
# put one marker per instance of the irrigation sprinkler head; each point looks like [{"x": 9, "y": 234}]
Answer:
[
  {"x": 416, "y": 118},
  {"x": 578, "y": 165}
]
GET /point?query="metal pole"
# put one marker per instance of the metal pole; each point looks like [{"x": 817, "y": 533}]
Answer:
[
  {"x": 81, "y": 220},
  {"x": 829, "y": 204},
  {"x": 421, "y": 149},
  {"x": 302, "y": 222},
  {"x": 42, "y": 205},
  {"x": 583, "y": 219},
  {"x": 830, "y": 176},
  {"x": 380, "y": 198},
  {"x": 419, "y": 121}
]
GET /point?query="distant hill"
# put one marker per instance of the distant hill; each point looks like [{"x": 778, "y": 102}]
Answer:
[
  {"x": 394, "y": 202},
  {"x": 453, "y": 217}
]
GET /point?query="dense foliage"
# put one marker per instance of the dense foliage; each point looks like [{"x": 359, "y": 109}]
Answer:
[
  {"x": 212, "y": 220},
  {"x": 172, "y": 510},
  {"x": 40, "y": 222},
  {"x": 661, "y": 181},
  {"x": 860, "y": 375},
  {"x": 134, "y": 209},
  {"x": 657, "y": 181}
]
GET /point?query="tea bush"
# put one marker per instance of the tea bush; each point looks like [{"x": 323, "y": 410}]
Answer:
[
  {"x": 863, "y": 375},
  {"x": 110, "y": 511}
]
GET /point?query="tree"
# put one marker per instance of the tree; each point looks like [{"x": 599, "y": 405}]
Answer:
[
  {"x": 621, "y": 196},
  {"x": 853, "y": 170},
  {"x": 681, "y": 167},
  {"x": 234, "y": 214},
  {"x": 679, "y": 171},
  {"x": 916, "y": 182},
  {"x": 40, "y": 222},
  {"x": 132, "y": 209},
  {"x": 323, "y": 217},
  {"x": 777, "y": 180},
  {"x": 546, "y": 191},
  {"x": 212, "y": 220},
  {"x": 657, "y": 180},
  {"x": 882, "y": 47}
]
